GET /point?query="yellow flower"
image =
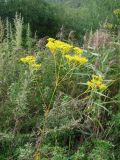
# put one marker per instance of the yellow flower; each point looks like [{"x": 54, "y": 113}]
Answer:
[
  {"x": 102, "y": 86},
  {"x": 37, "y": 66},
  {"x": 62, "y": 46},
  {"x": 116, "y": 11},
  {"x": 23, "y": 60},
  {"x": 51, "y": 39},
  {"x": 31, "y": 61},
  {"x": 108, "y": 26},
  {"x": 55, "y": 45},
  {"x": 27, "y": 59},
  {"x": 96, "y": 82},
  {"x": 97, "y": 78},
  {"x": 76, "y": 58},
  {"x": 80, "y": 59},
  {"x": 51, "y": 46},
  {"x": 78, "y": 50},
  {"x": 68, "y": 57},
  {"x": 65, "y": 49},
  {"x": 90, "y": 84}
]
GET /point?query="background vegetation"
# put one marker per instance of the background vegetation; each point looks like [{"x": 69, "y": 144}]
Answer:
[{"x": 46, "y": 18}]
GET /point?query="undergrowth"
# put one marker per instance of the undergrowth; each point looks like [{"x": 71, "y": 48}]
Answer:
[{"x": 57, "y": 102}]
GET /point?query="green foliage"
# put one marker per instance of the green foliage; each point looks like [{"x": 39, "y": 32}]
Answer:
[
  {"x": 84, "y": 15},
  {"x": 38, "y": 13},
  {"x": 45, "y": 16},
  {"x": 49, "y": 112},
  {"x": 101, "y": 151}
]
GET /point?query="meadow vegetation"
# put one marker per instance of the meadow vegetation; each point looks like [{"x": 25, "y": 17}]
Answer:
[{"x": 60, "y": 100}]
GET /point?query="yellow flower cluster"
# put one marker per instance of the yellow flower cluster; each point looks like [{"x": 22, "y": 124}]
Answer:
[
  {"x": 28, "y": 59},
  {"x": 77, "y": 50},
  {"x": 31, "y": 61},
  {"x": 76, "y": 58},
  {"x": 66, "y": 48},
  {"x": 116, "y": 11},
  {"x": 108, "y": 26},
  {"x": 34, "y": 65},
  {"x": 55, "y": 45},
  {"x": 96, "y": 82}
]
